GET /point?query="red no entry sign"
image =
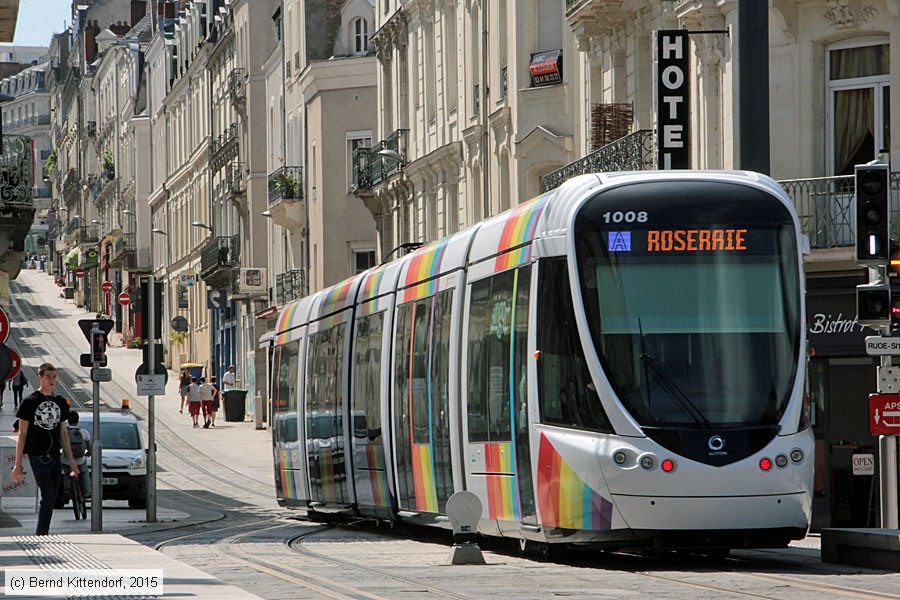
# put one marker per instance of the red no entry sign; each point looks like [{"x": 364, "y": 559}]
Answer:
[
  {"x": 124, "y": 299},
  {"x": 107, "y": 286},
  {"x": 79, "y": 273},
  {"x": 16, "y": 364},
  {"x": 884, "y": 414},
  {"x": 4, "y": 326}
]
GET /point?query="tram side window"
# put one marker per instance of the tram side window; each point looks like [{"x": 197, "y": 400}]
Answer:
[
  {"x": 568, "y": 396},
  {"x": 490, "y": 337},
  {"x": 324, "y": 385},
  {"x": 285, "y": 402},
  {"x": 367, "y": 378},
  {"x": 406, "y": 489},
  {"x": 420, "y": 335}
]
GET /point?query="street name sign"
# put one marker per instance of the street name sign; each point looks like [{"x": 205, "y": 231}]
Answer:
[
  {"x": 877, "y": 345},
  {"x": 863, "y": 464},
  {"x": 150, "y": 385},
  {"x": 884, "y": 414}
]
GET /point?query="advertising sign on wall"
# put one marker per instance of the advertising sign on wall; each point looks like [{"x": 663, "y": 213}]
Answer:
[{"x": 673, "y": 99}]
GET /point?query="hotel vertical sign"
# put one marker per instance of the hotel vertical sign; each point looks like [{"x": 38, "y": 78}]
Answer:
[{"x": 673, "y": 99}]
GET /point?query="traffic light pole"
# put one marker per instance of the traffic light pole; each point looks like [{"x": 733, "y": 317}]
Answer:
[
  {"x": 151, "y": 403},
  {"x": 96, "y": 447},
  {"x": 887, "y": 473}
]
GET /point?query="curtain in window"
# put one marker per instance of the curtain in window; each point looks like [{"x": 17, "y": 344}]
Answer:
[{"x": 854, "y": 128}]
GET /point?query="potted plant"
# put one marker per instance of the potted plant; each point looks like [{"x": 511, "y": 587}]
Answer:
[
  {"x": 50, "y": 163},
  {"x": 136, "y": 342},
  {"x": 287, "y": 185},
  {"x": 108, "y": 165},
  {"x": 176, "y": 337}
]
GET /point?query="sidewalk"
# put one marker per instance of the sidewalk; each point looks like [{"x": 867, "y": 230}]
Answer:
[{"x": 246, "y": 449}]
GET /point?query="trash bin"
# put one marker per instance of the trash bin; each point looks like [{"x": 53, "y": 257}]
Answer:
[{"x": 235, "y": 404}]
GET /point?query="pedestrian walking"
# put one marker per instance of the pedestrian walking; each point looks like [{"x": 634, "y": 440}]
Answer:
[
  {"x": 184, "y": 384},
  {"x": 18, "y": 386},
  {"x": 42, "y": 426},
  {"x": 206, "y": 400},
  {"x": 194, "y": 401},
  {"x": 80, "y": 442},
  {"x": 229, "y": 379},
  {"x": 216, "y": 401}
]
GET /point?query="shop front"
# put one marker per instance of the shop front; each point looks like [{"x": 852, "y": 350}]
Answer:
[{"x": 840, "y": 378}]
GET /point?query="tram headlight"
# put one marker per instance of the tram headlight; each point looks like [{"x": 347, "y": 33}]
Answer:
[
  {"x": 797, "y": 455},
  {"x": 619, "y": 457},
  {"x": 647, "y": 462},
  {"x": 781, "y": 461},
  {"x": 765, "y": 464},
  {"x": 668, "y": 465}
]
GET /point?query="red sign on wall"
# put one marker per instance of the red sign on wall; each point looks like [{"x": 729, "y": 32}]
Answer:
[
  {"x": 107, "y": 286},
  {"x": 884, "y": 414}
]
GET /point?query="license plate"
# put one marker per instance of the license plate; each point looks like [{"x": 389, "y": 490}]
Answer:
[{"x": 110, "y": 480}]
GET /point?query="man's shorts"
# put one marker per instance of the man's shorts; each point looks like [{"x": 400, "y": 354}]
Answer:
[
  {"x": 194, "y": 408},
  {"x": 207, "y": 406}
]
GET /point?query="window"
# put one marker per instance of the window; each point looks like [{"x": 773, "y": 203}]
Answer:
[
  {"x": 549, "y": 25},
  {"x": 367, "y": 379},
  {"x": 567, "y": 393},
  {"x": 363, "y": 260},
  {"x": 355, "y": 142},
  {"x": 360, "y": 36},
  {"x": 497, "y": 344},
  {"x": 859, "y": 104}
]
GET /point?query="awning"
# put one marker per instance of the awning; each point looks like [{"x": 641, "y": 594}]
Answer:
[{"x": 73, "y": 258}]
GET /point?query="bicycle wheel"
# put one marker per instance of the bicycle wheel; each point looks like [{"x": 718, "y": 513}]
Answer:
[{"x": 77, "y": 499}]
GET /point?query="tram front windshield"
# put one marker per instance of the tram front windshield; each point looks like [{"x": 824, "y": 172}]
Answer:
[{"x": 692, "y": 299}]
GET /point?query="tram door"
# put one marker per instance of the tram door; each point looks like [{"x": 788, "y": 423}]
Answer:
[
  {"x": 422, "y": 403},
  {"x": 498, "y": 452},
  {"x": 324, "y": 414},
  {"x": 290, "y": 474}
]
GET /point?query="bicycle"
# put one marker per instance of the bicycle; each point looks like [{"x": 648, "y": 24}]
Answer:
[{"x": 79, "y": 504}]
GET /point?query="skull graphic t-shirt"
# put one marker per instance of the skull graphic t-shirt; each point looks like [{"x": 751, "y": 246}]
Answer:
[{"x": 44, "y": 415}]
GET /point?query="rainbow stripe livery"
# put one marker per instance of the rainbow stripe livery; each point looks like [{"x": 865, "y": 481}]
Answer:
[
  {"x": 380, "y": 492},
  {"x": 423, "y": 477},
  {"x": 520, "y": 228},
  {"x": 565, "y": 500},
  {"x": 503, "y": 502},
  {"x": 425, "y": 265},
  {"x": 286, "y": 323},
  {"x": 372, "y": 284},
  {"x": 338, "y": 298}
]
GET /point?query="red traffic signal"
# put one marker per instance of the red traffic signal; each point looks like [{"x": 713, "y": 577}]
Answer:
[{"x": 98, "y": 346}]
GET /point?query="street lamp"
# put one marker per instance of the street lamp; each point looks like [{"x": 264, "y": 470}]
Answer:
[
  {"x": 267, "y": 213},
  {"x": 202, "y": 226}
]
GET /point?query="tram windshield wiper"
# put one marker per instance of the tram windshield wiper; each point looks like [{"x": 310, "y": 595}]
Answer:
[{"x": 650, "y": 365}]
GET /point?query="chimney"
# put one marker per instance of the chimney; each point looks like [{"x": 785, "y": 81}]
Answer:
[
  {"x": 90, "y": 43},
  {"x": 138, "y": 9},
  {"x": 120, "y": 28}
]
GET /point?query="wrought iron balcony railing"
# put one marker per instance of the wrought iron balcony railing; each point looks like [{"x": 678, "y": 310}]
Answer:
[
  {"x": 89, "y": 234},
  {"x": 123, "y": 245},
  {"x": 219, "y": 252},
  {"x": 225, "y": 141},
  {"x": 286, "y": 183},
  {"x": 15, "y": 172},
  {"x": 289, "y": 286},
  {"x": 237, "y": 85},
  {"x": 634, "y": 152},
  {"x": 370, "y": 168}
]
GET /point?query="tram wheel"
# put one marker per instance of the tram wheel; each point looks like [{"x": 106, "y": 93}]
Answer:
[{"x": 545, "y": 550}]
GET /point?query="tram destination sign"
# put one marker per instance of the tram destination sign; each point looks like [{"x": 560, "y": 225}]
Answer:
[{"x": 877, "y": 345}]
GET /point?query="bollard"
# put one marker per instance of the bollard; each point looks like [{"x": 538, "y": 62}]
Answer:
[
  {"x": 259, "y": 411},
  {"x": 464, "y": 511}
]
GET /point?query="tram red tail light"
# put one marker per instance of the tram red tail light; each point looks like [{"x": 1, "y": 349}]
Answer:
[
  {"x": 667, "y": 465},
  {"x": 765, "y": 464}
]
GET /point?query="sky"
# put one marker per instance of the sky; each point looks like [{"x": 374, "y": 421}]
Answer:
[{"x": 39, "y": 19}]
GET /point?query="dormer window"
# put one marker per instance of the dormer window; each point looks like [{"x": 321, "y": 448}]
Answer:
[{"x": 360, "y": 36}]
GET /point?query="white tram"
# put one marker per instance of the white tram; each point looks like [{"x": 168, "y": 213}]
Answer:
[{"x": 618, "y": 361}]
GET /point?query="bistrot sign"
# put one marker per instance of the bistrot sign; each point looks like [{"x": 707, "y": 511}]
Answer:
[
  {"x": 673, "y": 99},
  {"x": 884, "y": 414}
]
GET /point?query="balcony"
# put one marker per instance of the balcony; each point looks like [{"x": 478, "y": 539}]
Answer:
[
  {"x": 237, "y": 182},
  {"x": 124, "y": 245},
  {"x": 289, "y": 286},
  {"x": 634, "y": 152},
  {"x": 71, "y": 187},
  {"x": 370, "y": 169},
  {"x": 286, "y": 197},
  {"x": 91, "y": 128},
  {"x": 88, "y": 234},
  {"x": 589, "y": 17},
  {"x": 237, "y": 85},
  {"x": 223, "y": 148},
  {"x": 217, "y": 258}
]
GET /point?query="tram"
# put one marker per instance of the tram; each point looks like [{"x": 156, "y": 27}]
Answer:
[{"x": 620, "y": 361}]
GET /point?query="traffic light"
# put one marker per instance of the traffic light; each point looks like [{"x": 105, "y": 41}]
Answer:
[
  {"x": 873, "y": 215},
  {"x": 98, "y": 347},
  {"x": 873, "y": 304}
]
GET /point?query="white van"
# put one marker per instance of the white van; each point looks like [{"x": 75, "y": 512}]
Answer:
[{"x": 124, "y": 465}]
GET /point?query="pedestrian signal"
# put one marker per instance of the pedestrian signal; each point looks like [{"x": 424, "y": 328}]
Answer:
[{"x": 873, "y": 215}]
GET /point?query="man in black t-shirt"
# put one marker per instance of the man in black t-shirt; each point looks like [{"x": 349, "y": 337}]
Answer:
[{"x": 42, "y": 428}]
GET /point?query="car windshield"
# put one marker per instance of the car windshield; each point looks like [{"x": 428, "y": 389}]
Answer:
[
  {"x": 694, "y": 312},
  {"x": 116, "y": 435}
]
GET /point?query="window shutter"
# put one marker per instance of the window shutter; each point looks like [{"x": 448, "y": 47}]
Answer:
[{"x": 549, "y": 25}]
